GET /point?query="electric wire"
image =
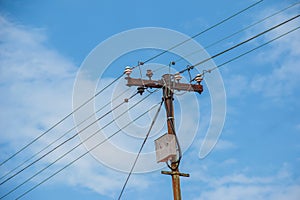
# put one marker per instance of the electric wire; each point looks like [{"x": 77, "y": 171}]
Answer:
[
  {"x": 231, "y": 35},
  {"x": 177, "y": 141},
  {"x": 200, "y": 33},
  {"x": 178, "y": 146},
  {"x": 140, "y": 63},
  {"x": 239, "y": 44},
  {"x": 65, "y": 141},
  {"x": 210, "y": 70},
  {"x": 251, "y": 50},
  {"x": 116, "y": 80},
  {"x": 59, "y": 122},
  {"x": 141, "y": 148},
  {"x": 86, "y": 139},
  {"x": 67, "y": 132},
  {"x": 276, "y": 38},
  {"x": 229, "y": 50},
  {"x": 237, "y": 32},
  {"x": 82, "y": 155},
  {"x": 245, "y": 41},
  {"x": 231, "y": 60}
]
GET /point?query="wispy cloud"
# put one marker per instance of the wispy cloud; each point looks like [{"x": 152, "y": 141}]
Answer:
[
  {"x": 282, "y": 56},
  {"x": 278, "y": 76},
  {"x": 253, "y": 192},
  {"x": 243, "y": 186},
  {"x": 36, "y": 85}
]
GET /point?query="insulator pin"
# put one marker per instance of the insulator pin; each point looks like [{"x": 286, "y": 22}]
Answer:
[
  {"x": 140, "y": 90},
  {"x": 128, "y": 70},
  {"x": 177, "y": 77},
  {"x": 198, "y": 78},
  {"x": 149, "y": 73}
]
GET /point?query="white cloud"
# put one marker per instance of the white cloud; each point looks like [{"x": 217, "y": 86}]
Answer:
[
  {"x": 236, "y": 86},
  {"x": 282, "y": 57},
  {"x": 279, "y": 72},
  {"x": 253, "y": 192},
  {"x": 243, "y": 186},
  {"x": 36, "y": 86},
  {"x": 230, "y": 161}
]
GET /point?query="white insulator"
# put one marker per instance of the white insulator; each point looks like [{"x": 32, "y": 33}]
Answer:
[
  {"x": 149, "y": 73},
  {"x": 198, "y": 78},
  {"x": 127, "y": 70},
  {"x": 177, "y": 77}
]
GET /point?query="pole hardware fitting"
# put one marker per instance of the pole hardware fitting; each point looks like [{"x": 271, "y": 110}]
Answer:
[
  {"x": 168, "y": 97},
  {"x": 141, "y": 90},
  {"x": 140, "y": 63},
  {"x": 149, "y": 73},
  {"x": 128, "y": 70},
  {"x": 188, "y": 68},
  {"x": 175, "y": 173}
]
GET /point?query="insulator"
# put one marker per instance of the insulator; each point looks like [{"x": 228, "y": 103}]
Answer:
[
  {"x": 140, "y": 90},
  {"x": 199, "y": 78},
  {"x": 128, "y": 70},
  {"x": 149, "y": 73},
  {"x": 177, "y": 77}
]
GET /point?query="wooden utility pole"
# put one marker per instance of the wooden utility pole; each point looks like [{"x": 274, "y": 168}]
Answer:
[{"x": 169, "y": 84}]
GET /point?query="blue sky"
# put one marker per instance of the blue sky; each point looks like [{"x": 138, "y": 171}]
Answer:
[{"x": 43, "y": 44}]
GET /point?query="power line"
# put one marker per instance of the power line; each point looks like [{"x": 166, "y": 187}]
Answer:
[
  {"x": 59, "y": 122},
  {"x": 65, "y": 141},
  {"x": 251, "y": 50},
  {"x": 245, "y": 41},
  {"x": 170, "y": 118},
  {"x": 209, "y": 70},
  {"x": 200, "y": 33},
  {"x": 53, "y": 142},
  {"x": 144, "y": 142},
  {"x": 96, "y": 146},
  {"x": 140, "y": 63},
  {"x": 239, "y": 44},
  {"x": 62, "y": 156},
  {"x": 240, "y": 31},
  {"x": 194, "y": 65}
]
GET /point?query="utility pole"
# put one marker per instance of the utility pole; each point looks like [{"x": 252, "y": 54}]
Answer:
[{"x": 169, "y": 83}]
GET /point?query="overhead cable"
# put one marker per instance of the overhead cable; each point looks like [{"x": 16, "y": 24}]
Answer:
[
  {"x": 141, "y": 148},
  {"x": 82, "y": 155}
]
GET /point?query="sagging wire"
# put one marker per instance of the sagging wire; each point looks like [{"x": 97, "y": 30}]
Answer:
[
  {"x": 176, "y": 162},
  {"x": 144, "y": 142},
  {"x": 75, "y": 147},
  {"x": 82, "y": 155},
  {"x": 237, "y": 32},
  {"x": 67, "y": 140},
  {"x": 251, "y": 50},
  {"x": 148, "y": 60},
  {"x": 229, "y": 36},
  {"x": 67, "y": 132},
  {"x": 59, "y": 122},
  {"x": 200, "y": 76}
]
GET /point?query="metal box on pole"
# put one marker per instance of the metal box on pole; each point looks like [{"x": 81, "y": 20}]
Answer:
[{"x": 165, "y": 147}]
